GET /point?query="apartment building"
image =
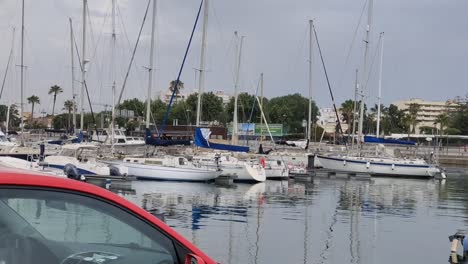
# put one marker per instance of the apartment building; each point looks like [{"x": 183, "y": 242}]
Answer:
[{"x": 428, "y": 110}]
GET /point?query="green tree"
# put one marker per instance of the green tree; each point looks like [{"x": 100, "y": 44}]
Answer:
[
  {"x": 407, "y": 120},
  {"x": 427, "y": 130},
  {"x": 14, "y": 115},
  {"x": 413, "y": 111},
  {"x": 68, "y": 105},
  {"x": 135, "y": 105},
  {"x": 245, "y": 102},
  {"x": 179, "y": 112},
  {"x": 158, "y": 110},
  {"x": 291, "y": 109},
  {"x": 55, "y": 90},
  {"x": 394, "y": 120},
  {"x": 442, "y": 120},
  {"x": 60, "y": 121},
  {"x": 347, "y": 109},
  {"x": 33, "y": 100},
  {"x": 452, "y": 131},
  {"x": 459, "y": 118},
  {"x": 211, "y": 107}
]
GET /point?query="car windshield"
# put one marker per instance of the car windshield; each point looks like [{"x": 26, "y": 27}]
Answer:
[{"x": 42, "y": 226}]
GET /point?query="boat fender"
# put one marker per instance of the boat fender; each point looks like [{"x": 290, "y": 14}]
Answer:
[
  {"x": 262, "y": 162},
  {"x": 114, "y": 171},
  {"x": 443, "y": 175},
  {"x": 367, "y": 164},
  {"x": 344, "y": 162},
  {"x": 71, "y": 171},
  {"x": 393, "y": 166}
]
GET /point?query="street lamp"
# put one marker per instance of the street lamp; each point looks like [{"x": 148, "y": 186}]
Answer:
[
  {"x": 282, "y": 125},
  {"x": 188, "y": 117}
]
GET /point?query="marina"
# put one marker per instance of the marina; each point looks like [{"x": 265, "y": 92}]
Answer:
[{"x": 171, "y": 132}]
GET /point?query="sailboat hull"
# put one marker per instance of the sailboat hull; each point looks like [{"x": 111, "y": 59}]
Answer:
[
  {"x": 244, "y": 172},
  {"x": 377, "y": 167},
  {"x": 166, "y": 173}
]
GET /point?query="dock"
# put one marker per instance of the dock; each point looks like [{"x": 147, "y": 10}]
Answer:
[
  {"x": 108, "y": 181},
  {"x": 324, "y": 173}
]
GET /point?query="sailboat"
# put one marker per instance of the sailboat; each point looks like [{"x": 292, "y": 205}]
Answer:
[{"x": 379, "y": 164}]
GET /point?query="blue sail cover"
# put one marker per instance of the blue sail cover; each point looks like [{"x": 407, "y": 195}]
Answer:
[
  {"x": 371, "y": 139},
  {"x": 157, "y": 141},
  {"x": 201, "y": 139}
]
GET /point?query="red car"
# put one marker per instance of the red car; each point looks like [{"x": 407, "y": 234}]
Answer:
[{"x": 60, "y": 221}]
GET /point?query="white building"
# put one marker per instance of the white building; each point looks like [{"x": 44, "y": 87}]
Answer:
[
  {"x": 327, "y": 120},
  {"x": 428, "y": 110},
  {"x": 166, "y": 97},
  {"x": 225, "y": 97}
]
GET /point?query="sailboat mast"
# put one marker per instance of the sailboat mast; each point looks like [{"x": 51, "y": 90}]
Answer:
[
  {"x": 309, "y": 121},
  {"x": 364, "y": 83},
  {"x": 201, "y": 79},
  {"x": 10, "y": 56},
  {"x": 112, "y": 67},
  {"x": 380, "y": 84},
  {"x": 7, "y": 119},
  {"x": 83, "y": 68},
  {"x": 151, "y": 65},
  {"x": 235, "y": 136},
  {"x": 261, "y": 105},
  {"x": 356, "y": 91},
  {"x": 72, "y": 74},
  {"x": 22, "y": 74}
]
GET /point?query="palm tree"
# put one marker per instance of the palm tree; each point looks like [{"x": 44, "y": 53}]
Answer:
[
  {"x": 33, "y": 99},
  {"x": 347, "y": 108},
  {"x": 68, "y": 105},
  {"x": 442, "y": 119},
  {"x": 413, "y": 110},
  {"x": 172, "y": 87},
  {"x": 406, "y": 120},
  {"x": 55, "y": 90}
]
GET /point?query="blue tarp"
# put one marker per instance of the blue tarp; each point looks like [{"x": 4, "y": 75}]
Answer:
[
  {"x": 371, "y": 139},
  {"x": 203, "y": 142}
]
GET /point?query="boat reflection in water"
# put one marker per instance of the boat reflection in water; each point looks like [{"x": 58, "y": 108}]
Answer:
[{"x": 324, "y": 221}]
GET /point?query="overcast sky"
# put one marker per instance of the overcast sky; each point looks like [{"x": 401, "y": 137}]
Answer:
[{"x": 425, "y": 54}]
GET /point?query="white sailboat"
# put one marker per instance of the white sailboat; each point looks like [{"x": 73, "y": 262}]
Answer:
[
  {"x": 378, "y": 166},
  {"x": 168, "y": 168}
]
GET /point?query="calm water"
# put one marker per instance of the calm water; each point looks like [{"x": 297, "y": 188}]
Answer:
[{"x": 327, "y": 221}]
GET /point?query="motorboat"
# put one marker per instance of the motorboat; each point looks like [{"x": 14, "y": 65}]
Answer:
[{"x": 104, "y": 136}]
